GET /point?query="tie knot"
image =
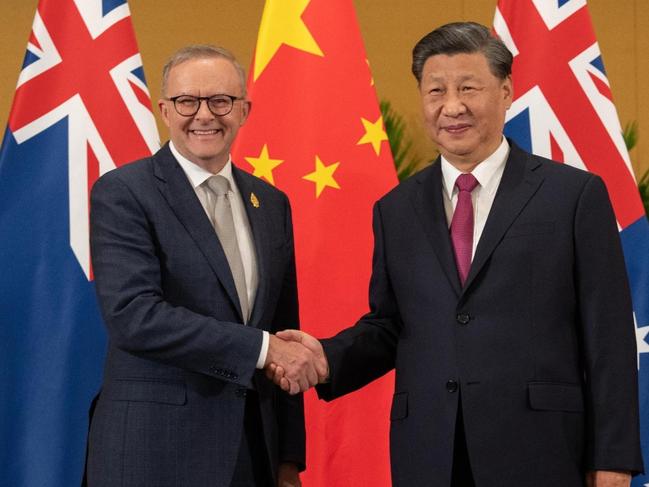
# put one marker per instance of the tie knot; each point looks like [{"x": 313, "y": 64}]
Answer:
[
  {"x": 466, "y": 182},
  {"x": 219, "y": 185}
]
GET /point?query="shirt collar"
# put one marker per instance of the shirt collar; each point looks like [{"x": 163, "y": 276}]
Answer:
[
  {"x": 196, "y": 174},
  {"x": 485, "y": 172}
]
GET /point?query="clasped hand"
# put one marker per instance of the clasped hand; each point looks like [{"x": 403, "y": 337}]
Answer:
[{"x": 295, "y": 361}]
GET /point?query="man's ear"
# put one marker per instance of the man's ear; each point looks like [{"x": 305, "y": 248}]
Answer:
[
  {"x": 164, "y": 111},
  {"x": 245, "y": 110},
  {"x": 508, "y": 90}
]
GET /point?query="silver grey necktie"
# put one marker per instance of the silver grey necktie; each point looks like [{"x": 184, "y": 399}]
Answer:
[{"x": 224, "y": 226}]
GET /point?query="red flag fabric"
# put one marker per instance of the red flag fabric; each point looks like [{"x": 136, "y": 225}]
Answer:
[{"x": 316, "y": 132}]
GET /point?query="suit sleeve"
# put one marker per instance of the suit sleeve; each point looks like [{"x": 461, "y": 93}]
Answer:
[
  {"x": 126, "y": 263},
  {"x": 366, "y": 351},
  {"x": 608, "y": 336},
  {"x": 290, "y": 409}
]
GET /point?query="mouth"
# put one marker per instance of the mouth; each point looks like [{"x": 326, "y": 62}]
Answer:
[
  {"x": 457, "y": 128},
  {"x": 205, "y": 132}
]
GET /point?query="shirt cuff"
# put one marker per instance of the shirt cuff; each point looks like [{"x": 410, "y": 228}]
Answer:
[{"x": 261, "y": 361}]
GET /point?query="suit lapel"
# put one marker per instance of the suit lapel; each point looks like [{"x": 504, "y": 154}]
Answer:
[
  {"x": 257, "y": 216},
  {"x": 179, "y": 194},
  {"x": 517, "y": 186},
  {"x": 429, "y": 206}
]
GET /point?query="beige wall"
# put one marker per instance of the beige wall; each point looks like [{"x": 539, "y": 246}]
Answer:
[{"x": 622, "y": 27}]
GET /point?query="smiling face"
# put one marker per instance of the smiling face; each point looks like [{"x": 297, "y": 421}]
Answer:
[
  {"x": 464, "y": 107},
  {"x": 204, "y": 139}
]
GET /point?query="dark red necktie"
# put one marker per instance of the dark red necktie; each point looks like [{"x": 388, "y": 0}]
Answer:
[{"x": 462, "y": 225}]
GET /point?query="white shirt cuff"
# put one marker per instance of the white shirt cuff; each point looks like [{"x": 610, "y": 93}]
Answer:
[{"x": 264, "y": 350}]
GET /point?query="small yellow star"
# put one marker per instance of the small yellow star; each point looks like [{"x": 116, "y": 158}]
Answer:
[
  {"x": 323, "y": 176},
  {"x": 374, "y": 134},
  {"x": 264, "y": 165},
  {"x": 281, "y": 23}
]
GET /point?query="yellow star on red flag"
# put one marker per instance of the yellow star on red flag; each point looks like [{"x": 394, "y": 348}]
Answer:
[
  {"x": 374, "y": 134},
  {"x": 296, "y": 92},
  {"x": 323, "y": 176},
  {"x": 282, "y": 24},
  {"x": 264, "y": 165}
]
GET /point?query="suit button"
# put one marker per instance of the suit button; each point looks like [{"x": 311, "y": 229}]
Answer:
[
  {"x": 463, "y": 318},
  {"x": 451, "y": 386},
  {"x": 241, "y": 392}
]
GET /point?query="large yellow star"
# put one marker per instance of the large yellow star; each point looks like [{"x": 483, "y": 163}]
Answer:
[
  {"x": 281, "y": 23},
  {"x": 374, "y": 134},
  {"x": 323, "y": 176},
  {"x": 264, "y": 165}
]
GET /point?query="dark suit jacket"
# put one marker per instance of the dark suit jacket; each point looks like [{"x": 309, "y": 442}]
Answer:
[
  {"x": 179, "y": 361},
  {"x": 540, "y": 342}
]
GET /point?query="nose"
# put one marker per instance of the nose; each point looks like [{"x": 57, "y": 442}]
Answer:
[
  {"x": 203, "y": 111},
  {"x": 453, "y": 105}
]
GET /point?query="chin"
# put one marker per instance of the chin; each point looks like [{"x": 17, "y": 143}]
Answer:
[
  {"x": 457, "y": 150},
  {"x": 208, "y": 152}
]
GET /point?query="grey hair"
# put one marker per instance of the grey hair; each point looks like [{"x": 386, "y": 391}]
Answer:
[
  {"x": 201, "y": 51},
  {"x": 463, "y": 37}
]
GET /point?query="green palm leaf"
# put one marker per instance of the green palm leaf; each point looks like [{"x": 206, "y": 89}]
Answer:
[{"x": 406, "y": 161}]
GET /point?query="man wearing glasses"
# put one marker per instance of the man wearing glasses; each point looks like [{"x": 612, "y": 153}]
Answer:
[{"x": 194, "y": 266}]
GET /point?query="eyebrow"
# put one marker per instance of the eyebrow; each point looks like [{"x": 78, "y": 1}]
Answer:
[{"x": 467, "y": 77}]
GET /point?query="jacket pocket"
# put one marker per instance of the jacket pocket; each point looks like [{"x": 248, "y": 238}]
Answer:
[
  {"x": 145, "y": 390},
  {"x": 555, "y": 396},
  {"x": 399, "y": 406}
]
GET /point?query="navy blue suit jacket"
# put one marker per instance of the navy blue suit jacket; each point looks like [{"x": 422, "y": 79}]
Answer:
[
  {"x": 179, "y": 359},
  {"x": 539, "y": 342}
]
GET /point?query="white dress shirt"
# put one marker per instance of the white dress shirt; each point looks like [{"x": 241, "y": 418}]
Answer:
[
  {"x": 197, "y": 176},
  {"x": 488, "y": 173}
]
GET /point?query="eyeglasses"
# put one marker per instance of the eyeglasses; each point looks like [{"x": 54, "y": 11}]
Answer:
[{"x": 219, "y": 105}]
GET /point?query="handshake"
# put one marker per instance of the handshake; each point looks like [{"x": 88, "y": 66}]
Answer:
[{"x": 295, "y": 361}]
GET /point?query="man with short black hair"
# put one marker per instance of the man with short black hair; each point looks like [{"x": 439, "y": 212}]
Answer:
[{"x": 499, "y": 295}]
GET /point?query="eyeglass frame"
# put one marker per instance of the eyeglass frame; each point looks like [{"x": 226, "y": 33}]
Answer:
[{"x": 206, "y": 99}]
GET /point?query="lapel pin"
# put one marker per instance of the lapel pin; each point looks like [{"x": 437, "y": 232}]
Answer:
[{"x": 254, "y": 200}]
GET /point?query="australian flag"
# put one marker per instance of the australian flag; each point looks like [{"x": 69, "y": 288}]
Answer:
[
  {"x": 81, "y": 108},
  {"x": 563, "y": 109}
]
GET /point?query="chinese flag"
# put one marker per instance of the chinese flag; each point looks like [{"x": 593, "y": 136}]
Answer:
[{"x": 316, "y": 132}]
